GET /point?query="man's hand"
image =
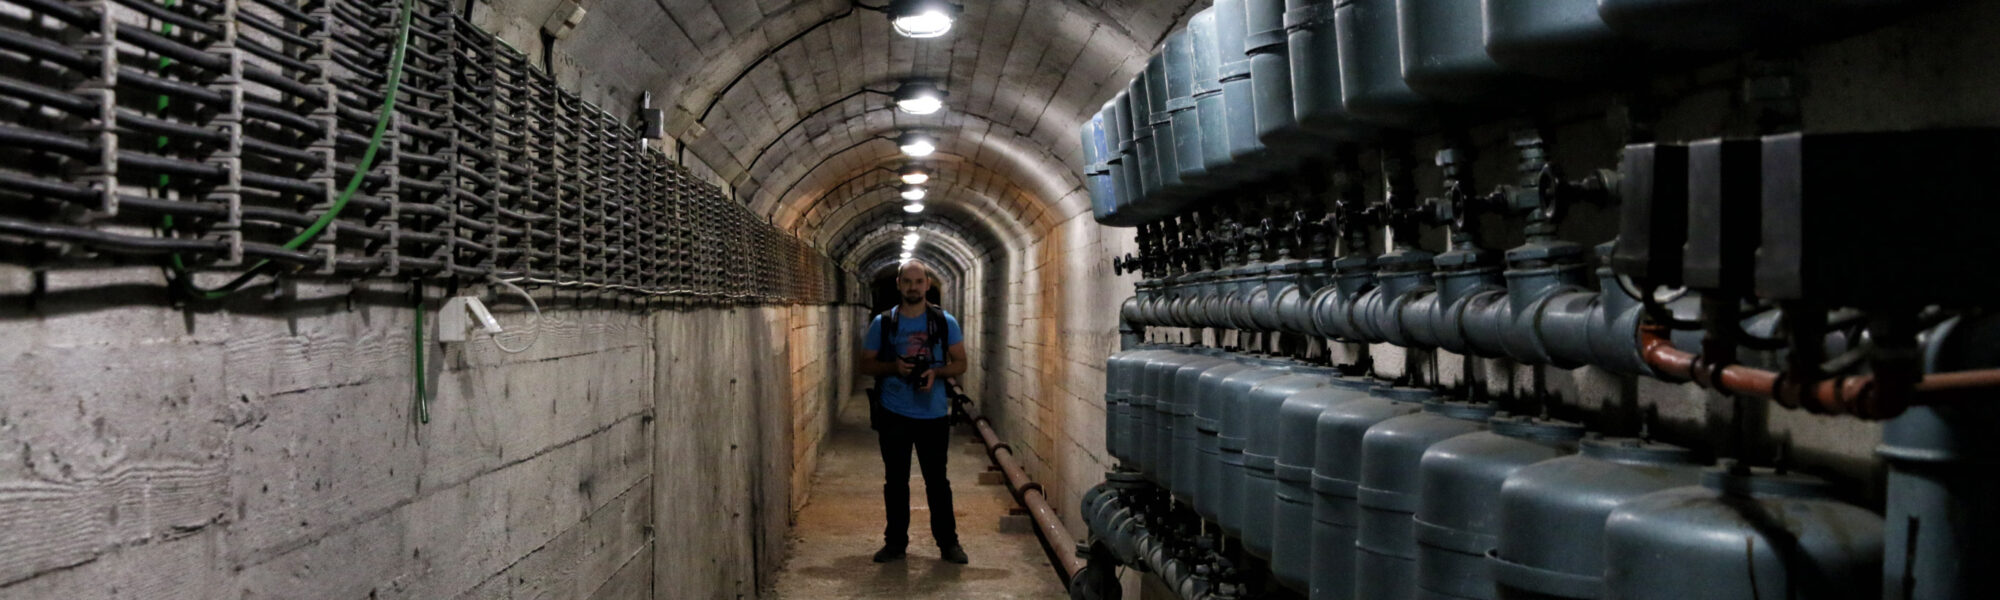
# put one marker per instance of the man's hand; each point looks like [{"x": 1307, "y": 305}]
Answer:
[
  {"x": 929, "y": 378},
  {"x": 902, "y": 368}
]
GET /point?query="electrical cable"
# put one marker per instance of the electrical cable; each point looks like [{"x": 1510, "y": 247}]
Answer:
[
  {"x": 423, "y": 394},
  {"x": 531, "y": 304},
  {"x": 383, "y": 118}
]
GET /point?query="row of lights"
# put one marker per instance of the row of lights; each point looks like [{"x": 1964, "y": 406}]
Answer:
[{"x": 919, "y": 19}]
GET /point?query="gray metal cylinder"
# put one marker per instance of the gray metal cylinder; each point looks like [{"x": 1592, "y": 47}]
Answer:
[
  {"x": 1208, "y": 413},
  {"x": 1298, "y": 447},
  {"x": 1444, "y": 56},
  {"x": 1246, "y": 152},
  {"x": 1122, "y": 187},
  {"x": 1233, "y": 438},
  {"x": 1181, "y": 435},
  {"x": 1173, "y": 190},
  {"x": 1314, "y": 50},
  {"x": 1264, "y": 410},
  {"x": 1563, "y": 39},
  {"x": 1139, "y": 125},
  {"x": 1743, "y": 534},
  {"x": 1709, "y": 27},
  {"x": 1552, "y": 513},
  {"x": 1271, "y": 82},
  {"x": 1337, "y": 477},
  {"x": 1159, "y": 420},
  {"x": 1458, "y": 512},
  {"x": 1129, "y": 170},
  {"x": 1208, "y": 98},
  {"x": 1371, "y": 66},
  {"x": 1391, "y": 453},
  {"x": 1102, "y": 202},
  {"x": 1944, "y": 536},
  {"x": 1180, "y": 72}
]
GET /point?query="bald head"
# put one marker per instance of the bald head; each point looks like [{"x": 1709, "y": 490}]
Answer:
[{"x": 913, "y": 280}]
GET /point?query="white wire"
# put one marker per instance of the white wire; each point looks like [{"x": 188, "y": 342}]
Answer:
[{"x": 531, "y": 304}]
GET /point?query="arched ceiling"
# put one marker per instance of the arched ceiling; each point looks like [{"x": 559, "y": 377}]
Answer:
[{"x": 772, "y": 94}]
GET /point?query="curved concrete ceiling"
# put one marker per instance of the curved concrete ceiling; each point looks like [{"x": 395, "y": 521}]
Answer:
[
  {"x": 782, "y": 82},
  {"x": 970, "y": 207},
  {"x": 990, "y": 194}
]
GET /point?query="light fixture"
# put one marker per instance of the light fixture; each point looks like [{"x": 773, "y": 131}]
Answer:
[
  {"x": 911, "y": 236},
  {"x": 922, "y": 18},
  {"x": 913, "y": 207},
  {"x": 916, "y": 144},
  {"x": 914, "y": 175},
  {"x": 913, "y": 192},
  {"x": 919, "y": 98}
]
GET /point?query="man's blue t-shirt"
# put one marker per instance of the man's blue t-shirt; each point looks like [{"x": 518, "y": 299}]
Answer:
[{"x": 910, "y": 340}]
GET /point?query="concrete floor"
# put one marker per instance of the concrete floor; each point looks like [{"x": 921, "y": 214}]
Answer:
[{"x": 841, "y": 528}]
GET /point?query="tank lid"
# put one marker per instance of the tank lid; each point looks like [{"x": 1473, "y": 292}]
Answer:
[
  {"x": 1355, "y": 382},
  {"x": 1635, "y": 450},
  {"x": 1459, "y": 409},
  {"x": 1400, "y": 393},
  {"x": 1735, "y": 478},
  {"x": 1535, "y": 428}
]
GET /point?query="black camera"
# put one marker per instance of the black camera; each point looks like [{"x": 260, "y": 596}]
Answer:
[{"x": 919, "y": 365}]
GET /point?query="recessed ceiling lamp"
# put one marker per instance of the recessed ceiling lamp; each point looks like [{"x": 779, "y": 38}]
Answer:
[
  {"x": 913, "y": 207},
  {"x": 913, "y": 192},
  {"x": 919, "y": 98},
  {"x": 914, "y": 175},
  {"x": 916, "y": 144},
  {"x": 922, "y": 18}
]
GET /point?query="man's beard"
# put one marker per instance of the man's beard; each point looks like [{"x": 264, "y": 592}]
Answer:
[{"x": 913, "y": 299}]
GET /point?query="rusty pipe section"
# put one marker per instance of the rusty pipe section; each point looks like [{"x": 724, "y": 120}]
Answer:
[
  {"x": 1056, "y": 541},
  {"x": 1858, "y": 395}
]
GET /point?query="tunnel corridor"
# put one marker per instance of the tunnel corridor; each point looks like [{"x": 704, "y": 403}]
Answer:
[{"x": 1259, "y": 299}]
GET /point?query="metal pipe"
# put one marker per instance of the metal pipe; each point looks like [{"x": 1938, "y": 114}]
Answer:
[
  {"x": 1056, "y": 541},
  {"x": 1856, "y": 395}
]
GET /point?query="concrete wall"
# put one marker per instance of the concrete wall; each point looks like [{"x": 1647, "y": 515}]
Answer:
[{"x": 269, "y": 448}]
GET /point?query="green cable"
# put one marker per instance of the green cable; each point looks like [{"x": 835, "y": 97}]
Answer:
[
  {"x": 353, "y": 184},
  {"x": 423, "y": 395}
]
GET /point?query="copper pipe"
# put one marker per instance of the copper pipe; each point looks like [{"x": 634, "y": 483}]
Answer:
[
  {"x": 1857, "y": 395},
  {"x": 1056, "y": 541}
]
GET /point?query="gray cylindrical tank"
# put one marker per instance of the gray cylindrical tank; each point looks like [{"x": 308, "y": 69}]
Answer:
[
  {"x": 1371, "y": 66},
  {"x": 1114, "y": 163},
  {"x": 1208, "y": 413},
  {"x": 1172, "y": 188},
  {"x": 1139, "y": 126},
  {"x": 1743, "y": 534},
  {"x": 1552, "y": 513},
  {"x": 1145, "y": 410},
  {"x": 1314, "y": 50},
  {"x": 1233, "y": 437},
  {"x": 1458, "y": 510},
  {"x": 1271, "y": 81},
  {"x": 1563, "y": 39},
  {"x": 1102, "y": 202},
  {"x": 1232, "y": 69},
  {"x": 1179, "y": 54},
  {"x": 1160, "y": 374},
  {"x": 1292, "y": 508},
  {"x": 1128, "y": 169},
  {"x": 1181, "y": 450},
  {"x": 1391, "y": 454},
  {"x": 1208, "y": 103},
  {"x": 1337, "y": 477},
  {"x": 1444, "y": 56},
  {"x": 1719, "y": 26},
  {"x": 1263, "y": 409}
]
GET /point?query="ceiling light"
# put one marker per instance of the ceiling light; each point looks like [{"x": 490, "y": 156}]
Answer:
[
  {"x": 915, "y": 175},
  {"x": 919, "y": 98},
  {"x": 916, "y": 144},
  {"x": 922, "y": 18},
  {"x": 913, "y": 207},
  {"x": 913, "y": 192}
]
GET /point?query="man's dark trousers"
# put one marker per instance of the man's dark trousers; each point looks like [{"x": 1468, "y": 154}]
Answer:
[{"x": 931, "y": 437}]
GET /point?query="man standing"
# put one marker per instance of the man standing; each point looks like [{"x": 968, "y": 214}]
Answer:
[{"x": 909, "y": 349}]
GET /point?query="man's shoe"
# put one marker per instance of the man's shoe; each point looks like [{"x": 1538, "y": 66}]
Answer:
[
  {"x": 889, "y": 553},
  {"x": 954, "y": 554}
]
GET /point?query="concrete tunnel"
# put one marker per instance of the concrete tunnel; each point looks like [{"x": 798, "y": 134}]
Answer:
[{"x": 565, "y": 298}]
